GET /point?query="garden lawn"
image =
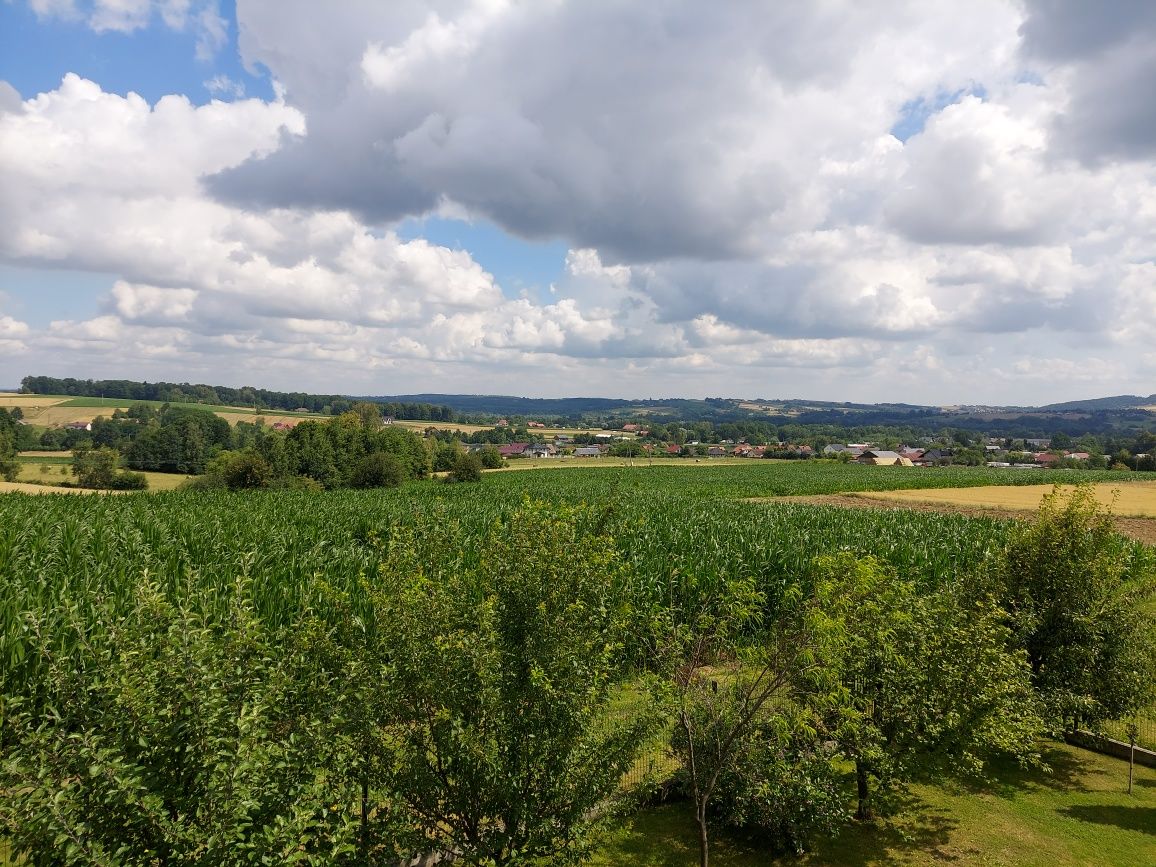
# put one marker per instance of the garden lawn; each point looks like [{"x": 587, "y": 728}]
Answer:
[{"x": 1080, "y": 814}]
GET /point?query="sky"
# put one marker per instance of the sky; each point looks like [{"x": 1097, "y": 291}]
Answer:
[{"x": 936, "y": 203}]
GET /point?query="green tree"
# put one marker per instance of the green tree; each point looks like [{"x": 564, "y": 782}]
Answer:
[
  {"x": 489, "y": 675},
  {"x": 929, "y": 680},
  {"x": 159, "y": 737},
  {"x": 1077, "y": 597},
  {"x": 467, "y": 468},
  {"x": 9, "y": 467},
  {"x": 95, "y": 468},
  {"x": 377, "y": 470},
  {"x": 737, "y": 697},
  {"x": 491, "y": 458}
]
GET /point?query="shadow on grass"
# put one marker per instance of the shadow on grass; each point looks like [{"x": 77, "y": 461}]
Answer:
[
  {"x": 1141, "y": 819},
  {"x": 1065, "y": 772},
  {"x": 914, "y": 827}
]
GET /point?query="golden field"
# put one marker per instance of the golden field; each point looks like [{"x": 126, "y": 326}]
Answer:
[{"x": 1127, "y": 499}]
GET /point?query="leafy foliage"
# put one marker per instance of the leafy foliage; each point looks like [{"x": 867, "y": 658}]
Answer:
[
  {"x": 166, "y": 740},
  {"x": 929, "y": 679},
  {"x": 479, "y": 680},
  {"x": 1075, "y": 594}
]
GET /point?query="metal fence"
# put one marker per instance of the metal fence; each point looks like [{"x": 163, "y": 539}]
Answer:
[{"x": 1145, "y": 723}]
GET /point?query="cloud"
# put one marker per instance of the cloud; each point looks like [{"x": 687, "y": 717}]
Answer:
[
  {"x": 740, "y": 217},
  {"x": 1106, "y": 62},
  {"x": 644, "y": 132}
]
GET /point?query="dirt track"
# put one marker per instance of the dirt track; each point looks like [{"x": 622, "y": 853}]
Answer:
[{"x": 1142, "y": 529}]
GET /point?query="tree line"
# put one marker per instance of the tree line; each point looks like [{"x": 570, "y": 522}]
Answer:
[{"x": 221, "y": 395}]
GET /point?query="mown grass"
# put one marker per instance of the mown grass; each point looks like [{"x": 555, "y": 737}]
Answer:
[{"x": 1078, "y": 814}]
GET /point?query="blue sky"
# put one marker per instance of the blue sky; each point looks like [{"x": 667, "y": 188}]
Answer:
[
  {"x": 36, "y": 51},
  {"x": 941, "y": 204}
]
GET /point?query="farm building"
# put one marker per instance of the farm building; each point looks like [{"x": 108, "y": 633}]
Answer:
[{"x": 884, "y": 458}]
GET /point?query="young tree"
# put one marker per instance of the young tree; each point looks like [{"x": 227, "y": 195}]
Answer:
[
  {"x": 929, "y": 680},
  {"x": 1076, "y": 596},
  {"x": 739, "y": 684},
  {"x": 95, "y": 468},
  {"x": 490, "y": 671}
]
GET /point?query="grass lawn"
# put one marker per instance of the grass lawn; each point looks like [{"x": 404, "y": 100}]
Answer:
[
  {"x": 1080, "y": 814},
  {"x": 33, "y": 472}
]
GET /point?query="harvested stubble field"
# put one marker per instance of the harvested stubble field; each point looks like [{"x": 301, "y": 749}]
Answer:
[{"x": 1133, "y": 503}]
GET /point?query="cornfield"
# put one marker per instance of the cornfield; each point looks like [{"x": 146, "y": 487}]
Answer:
[{"x": 67, "y": 563}]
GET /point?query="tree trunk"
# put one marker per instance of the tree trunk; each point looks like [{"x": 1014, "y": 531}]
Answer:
[
  {"x": 863, "y": 812},
  {"x": 1131, "y": 760},
  {"x": 703, "y": 843}
]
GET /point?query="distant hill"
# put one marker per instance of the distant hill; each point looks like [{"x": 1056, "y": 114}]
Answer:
[
  {"x": 1096, "y": 404},
  {"x": 745, "y": 417}
]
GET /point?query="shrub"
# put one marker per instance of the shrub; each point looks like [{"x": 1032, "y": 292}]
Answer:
[
  {"x": 377, "y": 470},
  {"x": 129, "y": 482},
  {"x": 467, "y": 468}
]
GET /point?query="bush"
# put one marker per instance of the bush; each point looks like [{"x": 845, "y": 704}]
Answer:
[
  {"x": 245, "y": 470},
  {"x": 491, "y": 458},
  {"x": 467, "y": 468},
  {"x": 207, "y": 482},
  {"x": 129, "y": 482},
  {"x": 297, "y": 483},
  {"x": 377, "y": 470}
]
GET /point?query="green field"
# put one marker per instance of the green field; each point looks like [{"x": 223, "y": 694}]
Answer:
[{"x": 685, "y": 530}]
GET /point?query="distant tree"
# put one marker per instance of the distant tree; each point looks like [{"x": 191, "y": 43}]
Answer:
[
  {"x": 95, "y": 467},
  {"x": 369, "y": 413},
  {"x": 377, "y": 470},
  {"x": 467, "y": 468},
  {"x": 491, "y": 458},
  {"x": 241, "y": 470},
  {"x": 9, "y": 467}
]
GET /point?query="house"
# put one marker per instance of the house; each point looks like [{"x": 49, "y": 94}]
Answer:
[
  {"x": 1045, "y": 459},
  {"x": 716, "y": 452},
  {"x": 1078, "y": 456},
  {"x": 884, "y": 458},
  {"x": 630, "y": 428},
  {"x": 540, "y": 450},
  {"x": 935, "y": 457},
  {"x": 674, "y": 450},
  {"x": 79, "y": 425},
  {"x": 502, "y": 422},
  {"x": 513, "y": 450},
  {"x": 534, "y": 424},
  {"x": 1038, "y": 444},
  {"x": 911, "y": 454},
  {"x": 587, "y": 452}
]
